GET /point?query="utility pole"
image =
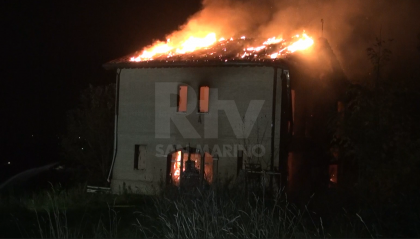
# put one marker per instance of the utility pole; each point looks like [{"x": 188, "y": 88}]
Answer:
[{"x": 322, "y": 27}]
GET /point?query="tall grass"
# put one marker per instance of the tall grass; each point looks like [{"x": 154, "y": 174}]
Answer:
[
  {"x": 58, "y": 197},
  {"x": 54, "y": 224},
  {"x": 91, "y": 215},
  {"x": 198, "y": 213},
  {"x": 207, "y": 214}
]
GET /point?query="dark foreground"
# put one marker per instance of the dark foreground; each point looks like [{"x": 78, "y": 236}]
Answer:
[{"x": 215, "y": 213}]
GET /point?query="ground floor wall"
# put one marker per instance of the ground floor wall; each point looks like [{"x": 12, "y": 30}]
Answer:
[{"x": 151, "y": 173}]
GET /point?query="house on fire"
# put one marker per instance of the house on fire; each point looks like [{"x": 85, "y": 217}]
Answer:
[{"x": 192, "y": 120}]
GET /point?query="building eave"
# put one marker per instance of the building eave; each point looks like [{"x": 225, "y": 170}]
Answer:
[{"x": 116, "y": 64}]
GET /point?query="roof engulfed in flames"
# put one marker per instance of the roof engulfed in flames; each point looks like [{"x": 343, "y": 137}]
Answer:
[{"x": 209, "y": 48}]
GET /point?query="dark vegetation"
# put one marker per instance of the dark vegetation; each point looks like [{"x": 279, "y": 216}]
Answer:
[
  {"x": 377, "y": 137},
  {"x": 222, "y": 212},
  {"x": 90, "y": 132}
]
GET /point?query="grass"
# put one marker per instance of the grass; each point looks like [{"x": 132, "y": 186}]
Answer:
[
  {"x": 208, "y": 215},
  {"x": 213, "y": 213}
]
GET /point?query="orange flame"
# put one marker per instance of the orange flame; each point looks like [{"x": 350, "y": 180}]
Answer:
[
  {"x": 193, "y": 43},
  {"x": 258, "y": 48},
  {"x": 303, "y": 43},
  {"x": 272, "y": 40},
  {"x": 177, "y": 166},
  {"x": 189, "y": 45}
]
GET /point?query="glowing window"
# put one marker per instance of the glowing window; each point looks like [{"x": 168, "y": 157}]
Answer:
[
  {"x": 182, "y": 98},
  {"x": 204, "y": 99},
  {"x": 194, "y": 171}
]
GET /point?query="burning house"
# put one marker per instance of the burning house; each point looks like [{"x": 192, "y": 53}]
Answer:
[{"x": 210, "y": 109}]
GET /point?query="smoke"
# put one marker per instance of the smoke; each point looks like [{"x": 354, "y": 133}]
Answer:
[{"x": 349, "y": 26}]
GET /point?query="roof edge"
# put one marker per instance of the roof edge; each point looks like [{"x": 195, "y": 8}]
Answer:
[{"x": 112, "y": 65}]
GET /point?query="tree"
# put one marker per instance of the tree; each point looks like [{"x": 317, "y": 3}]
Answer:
[
  {"x": 90, "y": 133},
  {"x": 378, "y": 137},
  {"x": 379, "y": 56},
  {"x": 379, "y": 134}
]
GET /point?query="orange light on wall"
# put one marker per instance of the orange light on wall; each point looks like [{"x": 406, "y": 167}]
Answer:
[
  {"x": 204, "y": 99},
  {"x": 293, "y": 94},
  {"x": 208, "y": 168},
  {"x": 182, "y": 98}
]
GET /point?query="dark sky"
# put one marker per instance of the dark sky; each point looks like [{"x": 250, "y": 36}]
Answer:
[{"x": 50, "y": 50}]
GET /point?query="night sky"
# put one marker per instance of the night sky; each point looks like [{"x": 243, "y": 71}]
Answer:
[{"x": 51, "y": 50}]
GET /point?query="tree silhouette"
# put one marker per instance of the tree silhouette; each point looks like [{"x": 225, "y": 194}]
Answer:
[
  {"x": 89, "y": 138},
  {"x": 379, "y": 56}
]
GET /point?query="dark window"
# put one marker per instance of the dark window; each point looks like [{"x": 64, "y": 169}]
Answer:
[
  {"x": 240, "y": 162},
  {"x": 140, "y": 156}
]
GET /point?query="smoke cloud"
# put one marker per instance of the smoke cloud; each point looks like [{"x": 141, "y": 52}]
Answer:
[{"x": 349, "y": 26}]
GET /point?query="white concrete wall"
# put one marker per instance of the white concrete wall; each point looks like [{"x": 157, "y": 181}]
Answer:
[{"x": 137, "y": 118}]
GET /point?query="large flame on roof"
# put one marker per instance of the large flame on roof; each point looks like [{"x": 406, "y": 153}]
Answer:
[
  {"x": 193, "y": 43},
  {"x": 302, "y": 43}
]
